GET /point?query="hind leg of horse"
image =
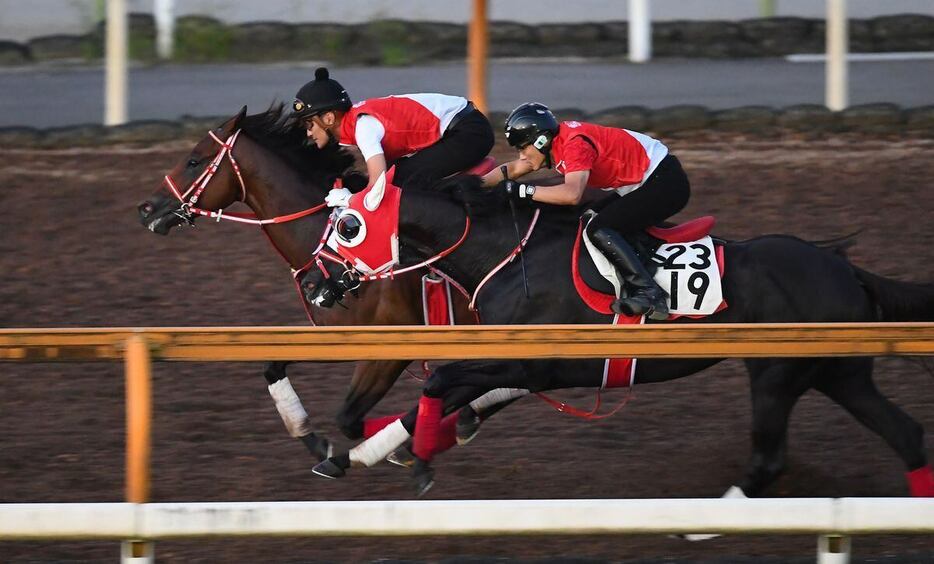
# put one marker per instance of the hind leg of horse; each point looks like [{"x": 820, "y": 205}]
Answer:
[
  {"x": 853, "y": 389},
  {"x": 292, "y": 412},
  {"x": 776, "y": 385}
]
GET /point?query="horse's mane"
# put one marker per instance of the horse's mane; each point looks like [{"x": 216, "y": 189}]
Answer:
[{"x": 275, "y": 130}]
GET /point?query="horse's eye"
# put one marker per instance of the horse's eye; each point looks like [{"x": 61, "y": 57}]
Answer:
[
  {"x": 192, "y": 163},
  {"x": 350, "y": 229}
]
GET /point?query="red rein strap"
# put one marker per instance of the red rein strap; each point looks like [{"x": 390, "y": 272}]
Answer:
[
  {"x": 587, "y": 415},
  {"x": 391, "y": 273}
]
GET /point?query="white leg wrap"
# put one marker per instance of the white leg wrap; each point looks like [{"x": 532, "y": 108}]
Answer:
[
  {"x": 496, "y": 396},
  {"x": 735, "y": 492},
  {"x": 378, "y": 447},
  {"x": 290, "y": 408}
]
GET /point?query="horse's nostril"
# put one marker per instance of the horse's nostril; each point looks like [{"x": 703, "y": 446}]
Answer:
[{"x": 145, "y": 209}]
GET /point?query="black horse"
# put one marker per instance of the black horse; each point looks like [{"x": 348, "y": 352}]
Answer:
[{"x": 769, "y": 279}]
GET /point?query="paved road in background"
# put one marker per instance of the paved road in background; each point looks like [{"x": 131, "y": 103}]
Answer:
[{"x": 50, "y": 96}]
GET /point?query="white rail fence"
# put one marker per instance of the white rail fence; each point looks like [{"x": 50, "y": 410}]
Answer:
[
  {"x": 824, "y": 516},
  {"x": 834, "y": 520}
]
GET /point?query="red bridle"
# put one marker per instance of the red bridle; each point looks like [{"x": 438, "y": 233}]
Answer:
[{"x": 191, "y": 196}]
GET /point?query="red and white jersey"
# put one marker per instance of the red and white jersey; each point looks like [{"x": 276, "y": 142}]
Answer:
[
  {"x": 618, "y": 159},
  {"x": 411, "y": 121}
]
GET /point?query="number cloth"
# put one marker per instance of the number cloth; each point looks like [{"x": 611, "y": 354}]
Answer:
[{"x": 691, "y": 276}]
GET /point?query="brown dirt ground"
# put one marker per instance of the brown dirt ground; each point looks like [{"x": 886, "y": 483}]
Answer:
[{"x": 72, "y": 253}]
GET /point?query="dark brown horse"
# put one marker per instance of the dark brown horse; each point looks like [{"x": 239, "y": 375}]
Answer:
[{"x": 280, "y": 177}]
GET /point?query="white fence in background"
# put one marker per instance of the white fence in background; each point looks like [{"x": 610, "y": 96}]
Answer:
[
  {"x": 116, "y": 79},
  {"x": 836, "y": 90},
  {"x": 640, "y": 31}
]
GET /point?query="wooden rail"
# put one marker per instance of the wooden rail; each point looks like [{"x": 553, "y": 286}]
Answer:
[
  {"x": 138, "y": 346},
  {"x": 446, "y": 343}
]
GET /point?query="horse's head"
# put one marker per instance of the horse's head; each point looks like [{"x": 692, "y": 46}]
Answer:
[
  {"x": 365, "y": 241},
  {"x": 367, "y": 232},
  {"x": 199, "y": 179}
]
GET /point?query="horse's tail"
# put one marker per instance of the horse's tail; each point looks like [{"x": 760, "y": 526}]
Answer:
[{"x": 898, "y": 301}]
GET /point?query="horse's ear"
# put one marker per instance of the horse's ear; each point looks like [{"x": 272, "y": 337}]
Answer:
[
  {"x": 375, "y": 195},
  {"x": 239, "y": 117}
]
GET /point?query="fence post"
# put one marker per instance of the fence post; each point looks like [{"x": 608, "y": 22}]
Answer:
[
  {"x": 164, "y": 15},
  {"x": 115, "y": 100},
  {"x": 833, "y": 549},
  {"x": 138, "y": 439},
  {"x": 640, "y": 31},
  {"x": 837, "y": 39},
  {"x": 476, "y": 54}
]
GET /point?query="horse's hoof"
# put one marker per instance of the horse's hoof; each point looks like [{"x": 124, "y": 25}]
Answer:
[
  {"x": 328, "y": 468},
  {"x": 660, "y": 314},
  {"x": 424, "y": 477},
  {"x": 468, "y": 425},
  {"x": 319, "y": 447},
  {"x": 402, "y": 456}
]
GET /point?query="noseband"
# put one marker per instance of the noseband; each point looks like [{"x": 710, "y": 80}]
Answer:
[
  {"x": 190, "y": 197},
  {"x": 188, "y": 210}
]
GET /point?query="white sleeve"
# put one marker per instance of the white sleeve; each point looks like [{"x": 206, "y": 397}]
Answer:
[{"x": 369, "y": 133}]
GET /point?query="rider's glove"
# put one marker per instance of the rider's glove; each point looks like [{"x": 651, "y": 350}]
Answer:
[
  {"x": 338, "y": 198},
  {"x": 519, "y": 192}
]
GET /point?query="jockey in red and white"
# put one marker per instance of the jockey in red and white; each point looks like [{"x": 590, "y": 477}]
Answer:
[
  {"x": 647, "y": 182},
  {"x": 426, "y": 136}
]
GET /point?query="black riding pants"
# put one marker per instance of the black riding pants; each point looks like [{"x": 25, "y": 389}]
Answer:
[
  {"x": 664, "y": 194},
  {"x": 461, "y": 147}
]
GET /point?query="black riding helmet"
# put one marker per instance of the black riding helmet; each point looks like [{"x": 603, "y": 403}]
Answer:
[
  {"x": 320, "y": 95},
  {"x": 531, "y": 124}
]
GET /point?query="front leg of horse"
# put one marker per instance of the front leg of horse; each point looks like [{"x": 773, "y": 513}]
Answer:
[
  {"x": 776, "y": 386},
  {"x": 388, "y": 436},
  {"x": 472, "y": 415},
  {"x": 371, "y": 380},
  {"x": 292, "y": 412},
  {"x": 449, "y": 388}
]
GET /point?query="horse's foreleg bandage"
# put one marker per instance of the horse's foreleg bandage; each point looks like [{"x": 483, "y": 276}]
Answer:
[
  {"x": 376, "y": 424},
  {"x": 290, "y": 408},
  {"x": 378, "y": 447},
  {"x": 496, "y": 396},
  {"x": 427, "y": 427}
]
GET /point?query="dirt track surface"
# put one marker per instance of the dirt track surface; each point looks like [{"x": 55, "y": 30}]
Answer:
[{"x": 74, "y": 254}]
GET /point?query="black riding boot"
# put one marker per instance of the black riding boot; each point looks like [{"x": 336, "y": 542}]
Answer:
[{"x": 645, "y": 296}]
